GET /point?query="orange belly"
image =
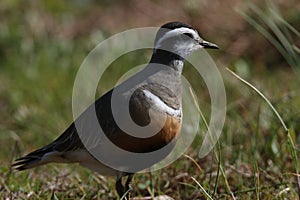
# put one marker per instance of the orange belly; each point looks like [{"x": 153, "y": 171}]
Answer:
[{"x": 167, "y": 134}]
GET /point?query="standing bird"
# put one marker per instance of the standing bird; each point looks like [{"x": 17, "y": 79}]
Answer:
[{"x": 152, "y": 97}]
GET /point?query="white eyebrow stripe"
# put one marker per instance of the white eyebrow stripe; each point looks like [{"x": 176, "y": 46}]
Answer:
[
  {"x": 177, "y": 31},
  {"x": 157, "y": 103}
]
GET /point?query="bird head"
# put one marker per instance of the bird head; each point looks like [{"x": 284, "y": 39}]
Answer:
[{"x": 180, "y": 39}]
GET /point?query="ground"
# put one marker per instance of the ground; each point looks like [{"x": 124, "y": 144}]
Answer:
[{"x": 43, "y": 45}]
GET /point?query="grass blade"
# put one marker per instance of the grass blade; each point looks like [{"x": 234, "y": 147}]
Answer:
[
  {"x": 277, "y": 31},
  {"x": 202, "y": 189},
  {"x": 218, "y": 158},
  {"x": 262, "y": 96},
  {"x": 290, "y": 140}
]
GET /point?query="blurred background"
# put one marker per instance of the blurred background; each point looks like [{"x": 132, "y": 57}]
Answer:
[{"x": 42, "y": 44}]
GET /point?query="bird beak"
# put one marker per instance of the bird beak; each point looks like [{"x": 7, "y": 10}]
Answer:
[{"x": 208, "y": 45}]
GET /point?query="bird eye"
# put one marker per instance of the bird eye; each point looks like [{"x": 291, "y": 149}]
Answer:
[{"x": 189, "y": 35}]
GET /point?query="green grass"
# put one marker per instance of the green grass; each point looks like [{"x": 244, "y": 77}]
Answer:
[{"x": 255, "y": 158}]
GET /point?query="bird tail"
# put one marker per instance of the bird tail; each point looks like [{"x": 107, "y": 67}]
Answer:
[
  {"x": 35, "y": 158},
  {"x": 60, "y": 150}
]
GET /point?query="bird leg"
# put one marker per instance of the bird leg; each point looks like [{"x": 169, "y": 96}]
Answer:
[
  {"x": 124, "y": 191},
  {"x": 127, "y": 184},
  {"x": 119, "y": 187}
]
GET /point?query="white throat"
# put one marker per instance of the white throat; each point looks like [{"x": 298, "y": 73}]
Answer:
[{"x": 178, "y": 65}]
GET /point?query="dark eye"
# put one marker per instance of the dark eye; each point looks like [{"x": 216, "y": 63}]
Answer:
[{"x": 189, "y": 35}]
